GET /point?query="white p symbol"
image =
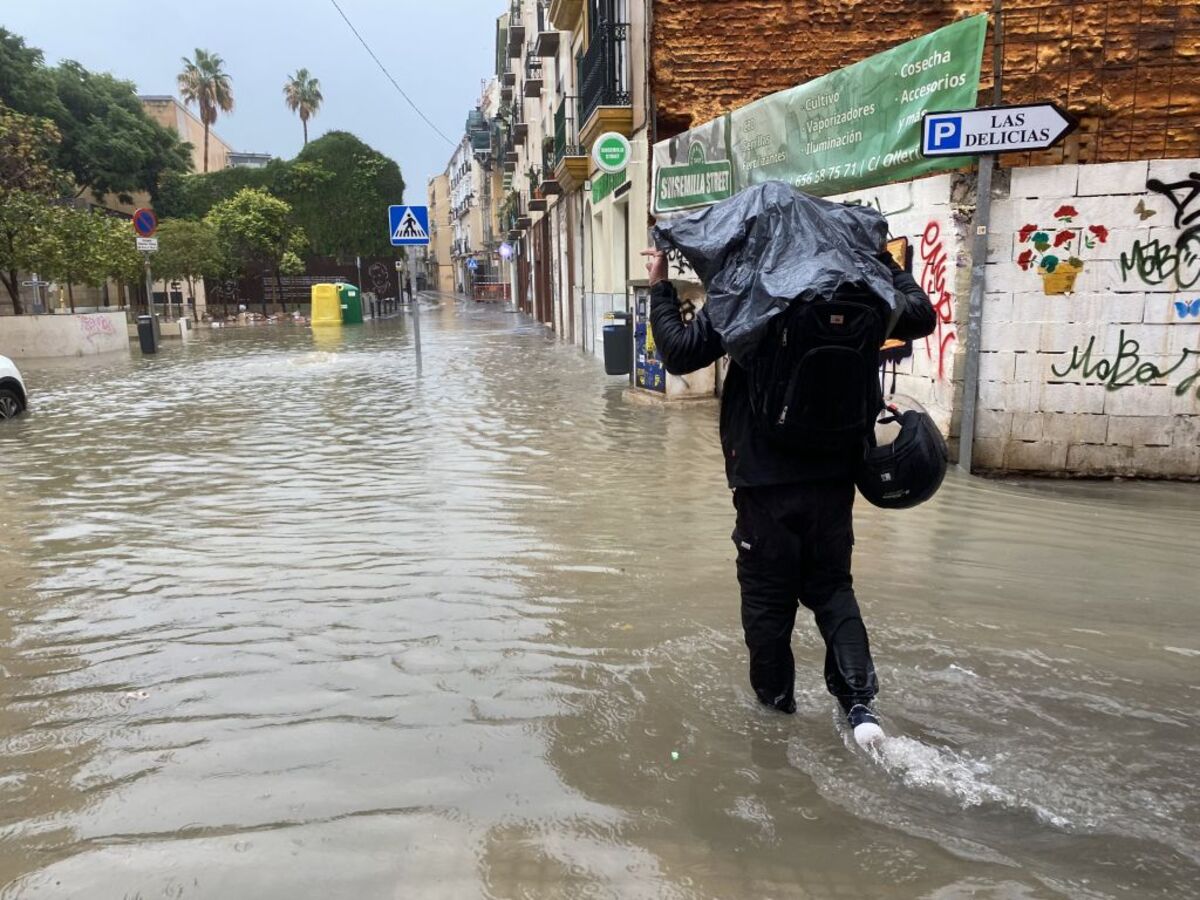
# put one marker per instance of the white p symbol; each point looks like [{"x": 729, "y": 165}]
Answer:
[{"x": 943, "y": 131}]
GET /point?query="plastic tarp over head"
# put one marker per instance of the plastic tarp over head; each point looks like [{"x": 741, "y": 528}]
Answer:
[{"x": 771, "y": 245}]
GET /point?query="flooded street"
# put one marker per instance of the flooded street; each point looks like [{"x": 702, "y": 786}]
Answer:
[{"x": 282, "y": 620}]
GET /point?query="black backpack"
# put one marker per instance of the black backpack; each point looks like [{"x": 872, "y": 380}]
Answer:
[{"x": 814, "y": 381}]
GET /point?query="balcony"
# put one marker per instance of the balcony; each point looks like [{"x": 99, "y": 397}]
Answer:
[
  {"x": 519, "y": 125},
  {"x": 548, "y": 186},
  {"x": 570, "y": 159},
  {"x": 604, "y": 100},
  {"x": 533, "y": 74},
  {"x": 546, "y": 42},
  {"x": 516, "y": 31},
  {"x": 566, "y": 15},
  {"x": 508, "y": 78}
]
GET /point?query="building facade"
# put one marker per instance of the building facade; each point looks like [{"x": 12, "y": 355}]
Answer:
[
  {"x": 439, "y": 271},
  {"x": 170, "y": 113}
]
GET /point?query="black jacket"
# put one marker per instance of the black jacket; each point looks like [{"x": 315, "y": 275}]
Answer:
[{"x": 751, "y": 460}]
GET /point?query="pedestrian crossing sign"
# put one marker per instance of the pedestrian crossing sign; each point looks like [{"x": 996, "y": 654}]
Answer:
[{"x": 408, "y": 225}]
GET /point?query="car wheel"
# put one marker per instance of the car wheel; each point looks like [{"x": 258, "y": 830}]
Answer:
[{"x": 10, "y": 404}]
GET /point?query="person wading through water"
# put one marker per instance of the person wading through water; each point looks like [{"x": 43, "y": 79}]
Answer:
[{"x": 794, "y": 533}]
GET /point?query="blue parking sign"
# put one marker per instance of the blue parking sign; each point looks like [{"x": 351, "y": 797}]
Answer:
[{"x": 943, "y": 133}]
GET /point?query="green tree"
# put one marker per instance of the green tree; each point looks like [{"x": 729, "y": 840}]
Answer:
[
  {"x": 204, "y": 82},
  {"x": 108, "y": 142},
  {"x": 187, "y": 250},
  {"x": 118, "y": 254},
  {"x": 342, "y": 200},
  {"x": 26, "y": 236},
  {"x": 254, "y": 228},
  {"x": 73, "y": 249},
  {"x": 25, "y": 82},
  {"x": 302, "y": 94},
  {"x": 28, "y": 180},
  {"x": 192, "y": 196}
]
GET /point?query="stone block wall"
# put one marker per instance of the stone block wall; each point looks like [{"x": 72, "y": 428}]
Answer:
[{"x": 1090, "y": 359}]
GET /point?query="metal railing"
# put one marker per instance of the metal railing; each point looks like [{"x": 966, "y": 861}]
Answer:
[
  {"x": 604, "y": 69},
  {"x": 566, "y": 137},
  {"x": 533, "y": 65}
]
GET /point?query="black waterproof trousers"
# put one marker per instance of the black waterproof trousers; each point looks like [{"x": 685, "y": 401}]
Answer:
[{"x": 794, "y": 543}]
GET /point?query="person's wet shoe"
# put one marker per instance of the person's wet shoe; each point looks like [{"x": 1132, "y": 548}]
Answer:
[{"x": 865, "y": 725}]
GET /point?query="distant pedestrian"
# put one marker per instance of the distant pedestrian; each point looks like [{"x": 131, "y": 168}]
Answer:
[{"x": 794, "y": 533}]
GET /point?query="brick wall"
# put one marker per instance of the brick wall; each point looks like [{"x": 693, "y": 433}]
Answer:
[
  {"x": 1130, "y": 69},
  {"x": 1094, "y": 368}
]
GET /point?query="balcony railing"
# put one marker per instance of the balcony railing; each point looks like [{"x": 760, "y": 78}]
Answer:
[
  {"x": 533, "y": 74},
  {"x": 516, "y": 30},
  {"x": 546, "y": 43},
  {"x": 604, "y": 69},
  {"x": 566, "y": 137}
]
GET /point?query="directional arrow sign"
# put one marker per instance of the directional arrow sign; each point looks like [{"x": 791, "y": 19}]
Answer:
[{"x": 994, "y": 129}]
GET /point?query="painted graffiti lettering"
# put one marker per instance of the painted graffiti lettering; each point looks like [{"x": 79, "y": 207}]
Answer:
[
  {"x": 1128, "y": 368},
  {"x": 1189, "y": 222},
  {"x": 1155, "y": 263},
  {"x": 92, "y": 326},
  {"x": 933, "y": 282}
]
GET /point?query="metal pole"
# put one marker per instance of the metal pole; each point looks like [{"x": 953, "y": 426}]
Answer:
[
  {"x": 149, "y": 287},
  {"x": 983, "y": 210},
  {"x": 416, "y": 312}
]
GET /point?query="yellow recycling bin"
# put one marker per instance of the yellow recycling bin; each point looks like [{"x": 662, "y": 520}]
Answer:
[{"x": 326, "y": 305}]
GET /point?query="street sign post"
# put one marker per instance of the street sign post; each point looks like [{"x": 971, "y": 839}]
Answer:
[
  {"x": 145, "y": 222},
  {"x": 408, "y": 226},
  {"x": 994, "y": 129}
]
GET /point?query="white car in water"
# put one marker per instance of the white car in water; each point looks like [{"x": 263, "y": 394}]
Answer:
[{"x": 13, "y": 399}]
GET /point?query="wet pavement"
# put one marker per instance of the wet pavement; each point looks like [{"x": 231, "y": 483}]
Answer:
[{"x": 282, "y": 620}]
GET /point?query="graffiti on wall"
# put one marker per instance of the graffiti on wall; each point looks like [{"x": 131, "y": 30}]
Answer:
[
  {"x": 93, "y": 326},
  {"x": 1157, "y": 263},
  {"x": 933, "y": 282},
  {"x": 1054, "y": 252},
  {"x": 1129, "y": 368}
]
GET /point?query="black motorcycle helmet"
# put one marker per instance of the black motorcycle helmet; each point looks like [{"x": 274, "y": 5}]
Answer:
[{"x": 909, "y": 470}]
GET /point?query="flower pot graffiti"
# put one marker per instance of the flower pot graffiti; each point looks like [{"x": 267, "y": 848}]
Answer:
[
  {"x": 1053, "y": 251},
  {"x": 1062, "y": 279}
]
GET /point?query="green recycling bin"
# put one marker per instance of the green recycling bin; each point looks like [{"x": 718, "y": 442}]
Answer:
[{"x": 351, "y": 300}]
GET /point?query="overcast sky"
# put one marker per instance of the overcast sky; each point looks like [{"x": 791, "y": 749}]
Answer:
[{"x": 437, "y": 49}]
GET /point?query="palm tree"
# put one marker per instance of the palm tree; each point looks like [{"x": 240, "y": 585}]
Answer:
[
  {"x": 302, "y": 94},
  {"x": 204, "y": 83}
]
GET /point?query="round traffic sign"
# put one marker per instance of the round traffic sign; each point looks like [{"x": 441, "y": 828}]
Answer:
[
  {"x": 611, "y": 152},
  {"x": 145, "y": 222}
]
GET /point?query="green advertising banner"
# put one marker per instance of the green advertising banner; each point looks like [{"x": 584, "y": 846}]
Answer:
[{"x": 853, "y": 128}]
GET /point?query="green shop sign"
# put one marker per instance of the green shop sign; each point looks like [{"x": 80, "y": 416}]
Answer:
[
  {"x": 603, "y": 185},
  {"x": 853, "y": 128},
  {"x": 697, "y": 183}
]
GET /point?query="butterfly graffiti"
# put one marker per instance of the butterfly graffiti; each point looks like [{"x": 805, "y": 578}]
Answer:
[{"x": 1187, "y": 309}]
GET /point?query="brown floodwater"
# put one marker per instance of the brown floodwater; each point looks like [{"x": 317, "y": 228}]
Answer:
[{"x": 283, "y": 620}]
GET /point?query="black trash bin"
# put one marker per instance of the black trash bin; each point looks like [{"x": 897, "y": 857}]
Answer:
[
  {"x": 147, "y": 334},
  {"x": 618, "y": 344}
]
